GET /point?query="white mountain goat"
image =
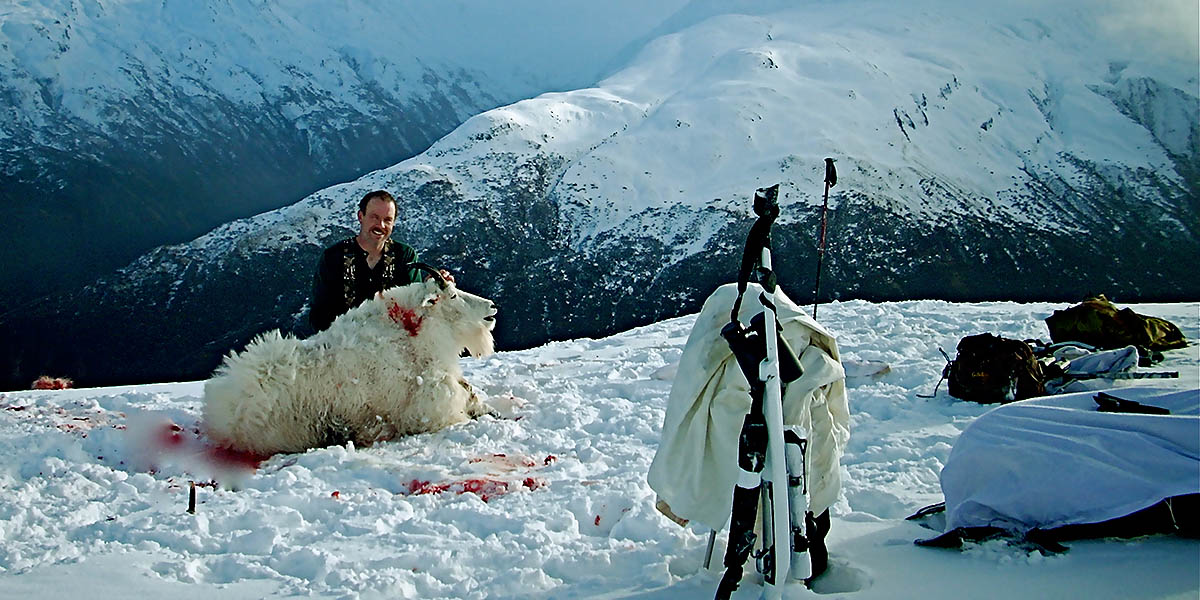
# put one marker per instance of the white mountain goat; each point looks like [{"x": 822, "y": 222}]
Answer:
[{"x": 384, "y": 369}]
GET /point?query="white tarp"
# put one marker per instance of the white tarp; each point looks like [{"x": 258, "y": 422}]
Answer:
[
  {"x": 1090, "y": 370},
  {"x": 1053, "y": 461},
  {"x": 695, "y": 468}
]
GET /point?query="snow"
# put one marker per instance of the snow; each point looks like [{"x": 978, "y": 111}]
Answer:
[{"x": 91, "y": 506}]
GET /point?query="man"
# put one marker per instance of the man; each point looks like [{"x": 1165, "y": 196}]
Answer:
[{"x": 357, "y": 268}]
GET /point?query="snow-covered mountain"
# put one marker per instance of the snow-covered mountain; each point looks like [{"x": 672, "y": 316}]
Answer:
[
  {"x": 1003, "y": 150},
  {"x": 128, "y": 124}
]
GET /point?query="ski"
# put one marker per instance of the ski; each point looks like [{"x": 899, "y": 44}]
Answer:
[
  {"x": 776, "y": 515},
  {"x": 771, "y": 456}
]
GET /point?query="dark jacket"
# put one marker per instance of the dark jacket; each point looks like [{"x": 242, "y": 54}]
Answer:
[{"x": 343, "y": 279}]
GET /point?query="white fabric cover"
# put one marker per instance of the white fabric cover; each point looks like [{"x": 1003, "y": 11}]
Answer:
[
  {"x": 1104, "y": 363},
  {"x": 1052, "y": 461},
  {"x": 695, "y": 468},
  {"x": 1081, "y": 363}
]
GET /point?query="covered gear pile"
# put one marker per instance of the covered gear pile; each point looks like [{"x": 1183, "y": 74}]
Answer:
[{"x": 1099, "y": 323}]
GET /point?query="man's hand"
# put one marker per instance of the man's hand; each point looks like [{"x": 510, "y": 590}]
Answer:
[{"x": 445, "y": 275}]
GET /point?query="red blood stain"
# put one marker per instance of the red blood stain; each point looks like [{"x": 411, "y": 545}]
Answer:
[
  {"x": 169, "y": 435},
  {"x": 549, "y": 459},
  {"x": 484, "y": 487},
  {"x": 417, "y": 487},
  {"x": 597, "y": 520},
  {"x": 226, "y": 457},
  {"x": 174, "y": 437},
  {"x": 405, "y": 317},
  {"x": 335, "y": 495}
]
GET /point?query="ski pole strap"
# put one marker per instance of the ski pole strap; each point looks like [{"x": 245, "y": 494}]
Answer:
[
  {"x": 945, "y": 373},
  {"x": 830, "y": 173}
]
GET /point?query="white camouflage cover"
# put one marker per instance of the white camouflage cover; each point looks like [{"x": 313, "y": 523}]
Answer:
[
  {"x": 1055, "y": 460},
  {"x": 695, "y": 468}
]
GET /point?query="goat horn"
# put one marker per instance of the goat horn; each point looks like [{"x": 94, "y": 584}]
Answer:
[{"x": 442, "y": 283}]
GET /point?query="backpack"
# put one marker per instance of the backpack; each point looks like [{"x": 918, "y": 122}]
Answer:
[
  {"x": 990, "y": 369},
  {"x": 1097, "y": 322}
]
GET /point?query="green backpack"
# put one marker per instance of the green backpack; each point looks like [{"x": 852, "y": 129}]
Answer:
[{"x": 990, "y": 369}]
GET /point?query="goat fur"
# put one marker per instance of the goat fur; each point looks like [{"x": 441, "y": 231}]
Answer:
[{"x": 386, "y": 368}]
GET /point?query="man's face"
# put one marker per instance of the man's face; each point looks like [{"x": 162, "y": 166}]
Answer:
[{"x": 376, "y": 223}]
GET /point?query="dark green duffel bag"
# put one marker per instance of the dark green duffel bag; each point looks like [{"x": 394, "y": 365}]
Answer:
[{"x": 1098, "y": 322}]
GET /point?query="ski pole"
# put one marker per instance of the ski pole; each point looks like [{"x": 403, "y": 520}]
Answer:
[
  {"x": 777, "y": 529},
  {"x": 830, "y": 181}
]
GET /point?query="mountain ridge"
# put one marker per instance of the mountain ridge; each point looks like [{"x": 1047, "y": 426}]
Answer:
[{"x": 147, "y": 122}]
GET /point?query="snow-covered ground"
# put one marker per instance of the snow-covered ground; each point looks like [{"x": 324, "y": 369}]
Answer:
[{"x": 85, "y": 510}]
